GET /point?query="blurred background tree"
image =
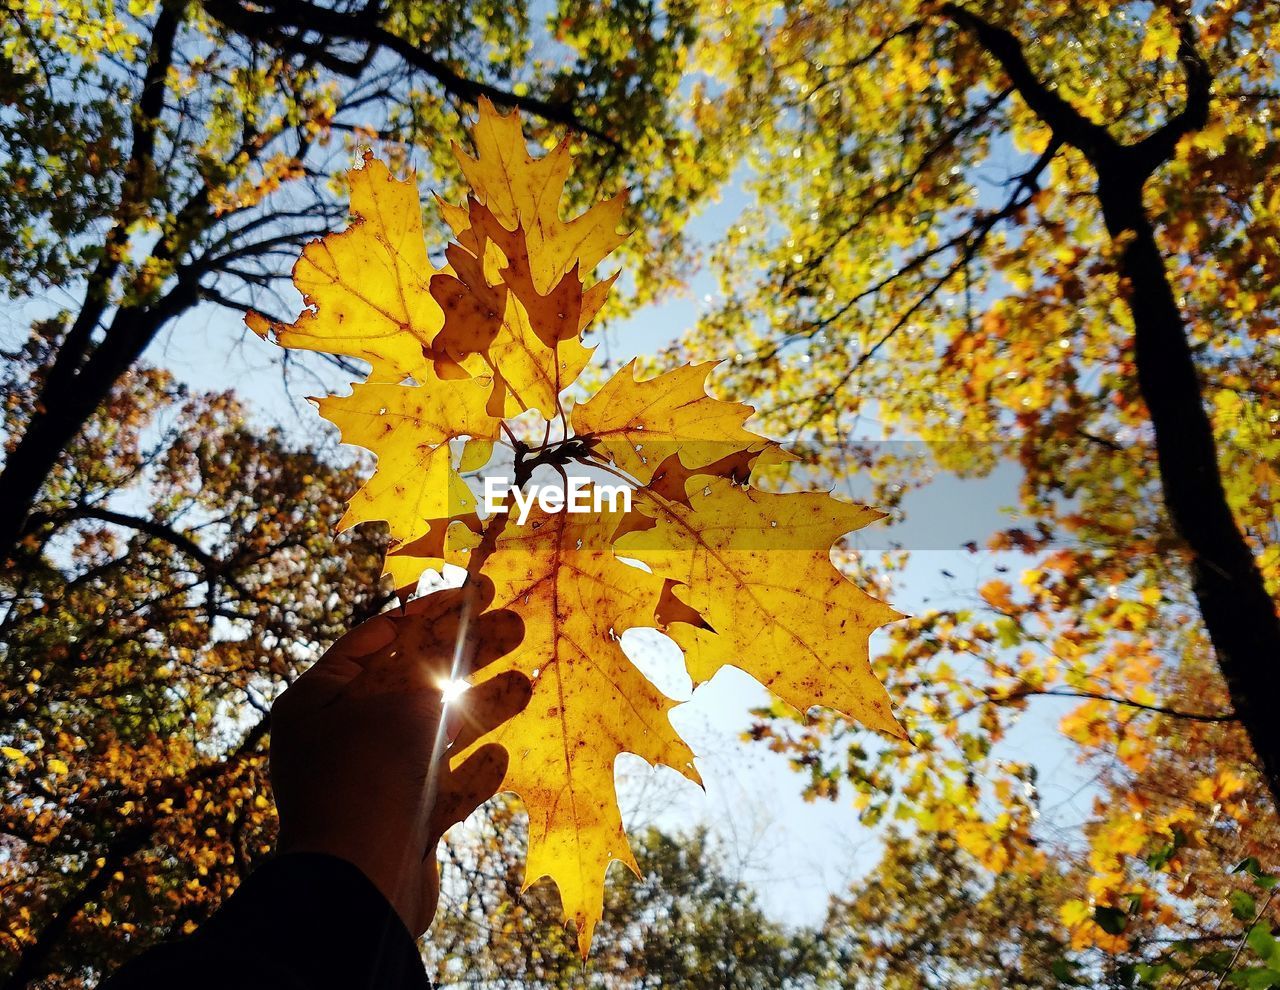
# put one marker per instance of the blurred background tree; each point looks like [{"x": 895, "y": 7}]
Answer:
[
  {"x": 163, "y": 606},
  {"x": 686, "y": 922},
  {"x": 160, "y": 155}
]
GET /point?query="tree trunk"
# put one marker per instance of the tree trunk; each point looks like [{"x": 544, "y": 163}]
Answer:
[
  {"x": 81, "y": 377},
  {"x": 1238, "y": 613},
  {"x": 67, "y": 404}
]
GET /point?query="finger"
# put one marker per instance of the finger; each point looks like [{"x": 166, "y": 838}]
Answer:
[
  {"x": 452, "y": 645},
  {"x": 434, "y": 602},
  {"x": 453, "y": 720},
  {"x": 424, "y": 651},
  {"x": 466, "y": 788},
  {"x": 367, "y": 638},
  {"x": 437, "y": 633},
  {"x": 434, "y": 638},
  {"x": 485, "y": 707},
  {"x": 495, "y": 634},
  {"x": 322, "y": 682},
  {"x": 476, "y": 589},
  {"x": 431, "y": 891}
]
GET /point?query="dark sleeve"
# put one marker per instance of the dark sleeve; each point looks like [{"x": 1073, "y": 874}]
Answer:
[{"x": 303, "y": 921}]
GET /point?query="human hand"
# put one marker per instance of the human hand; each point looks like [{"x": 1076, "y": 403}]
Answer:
[{"x": 360, "y": 742}]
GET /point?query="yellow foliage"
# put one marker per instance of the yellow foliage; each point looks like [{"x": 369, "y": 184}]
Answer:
[
  {"x": 366, "y": 287},
  {"x": 639, "y": 424},
  {"x": 560, "y": 574},
  {"x": 757, "y": 568}
]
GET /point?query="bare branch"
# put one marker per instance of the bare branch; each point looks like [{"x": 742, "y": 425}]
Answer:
[{"x": 1027, "y": 692}]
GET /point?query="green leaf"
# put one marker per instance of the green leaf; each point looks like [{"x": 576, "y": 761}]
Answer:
[
  {"x": 1218, "y": 961},
  {"x": 1159, "y": 859},
  {"x": 1252, "y": 867},
  {"x": 1255, "y": 978},
  {"x": 1008, "y": 633},
  {"x": 1062, "y": 972},
  {"x": 1243, "y": 906},
  {"x": 1264, "y": 944},
  {"x": 1149, "y": 974}
]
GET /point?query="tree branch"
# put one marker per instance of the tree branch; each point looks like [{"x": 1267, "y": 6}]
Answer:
[
  {"x": 151, "y": 527},
  {"x": 971, "y": 241},
  {"x": 1159, "y": 146},
  {"x": 133, "y": 197},
  {"x": 215, "y": 570},
  {"x": 1024, "y": 692},
  {"x": 1066, "y": 122},
  {"x": 363, "y": 26}
]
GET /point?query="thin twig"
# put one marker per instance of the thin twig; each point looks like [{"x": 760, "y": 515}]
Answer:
[{"x": 1243, "y": 939}]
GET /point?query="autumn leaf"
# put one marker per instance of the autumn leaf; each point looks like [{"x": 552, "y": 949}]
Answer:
[
  {"x": 878, "y": 276},
  {"x": 757, "y": 568},
  {"x": 447, "y": 541},
  {"x": 748, "y": 465},
  {"x": 533, "y": 373},
  {"x": 367, "y": 286},
  {"x": 408, "y": 428},
  {"x": 640, "y": 423},
  {"x": 557, "y": 314},
  {"x": 525, "y": 192},
  {"x": 559, "y": 573}
]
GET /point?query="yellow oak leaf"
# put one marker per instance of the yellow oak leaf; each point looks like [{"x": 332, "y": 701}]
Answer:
[
  {"x": 492, "y": 308},
  {"x": 525, "y": 192},
  {"x": 476, "y": 453},
  {"x": 639, "y": 424},
  {"x": 756, "y": 567},
  {"x": 748, "y": 465},
  {"x": 737, "y": 576},
  {"x": 559, "y": 573},
  {"x": 473, "y": 306},
  {"x": 367, "y": 287},
  {"x": 447, "y": 541},
  {"x": 534, "y": 374},
  {"x": 564, "y": 309},
  {"x": 408, "y": 428}
]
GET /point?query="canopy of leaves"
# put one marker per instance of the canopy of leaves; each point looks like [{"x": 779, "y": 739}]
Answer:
[
  {"x": 160, "y": 610},
  {"x": 937, "y": 244}
]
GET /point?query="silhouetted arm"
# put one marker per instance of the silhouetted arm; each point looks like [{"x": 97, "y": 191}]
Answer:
[{"x": 303, "y": 921}]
